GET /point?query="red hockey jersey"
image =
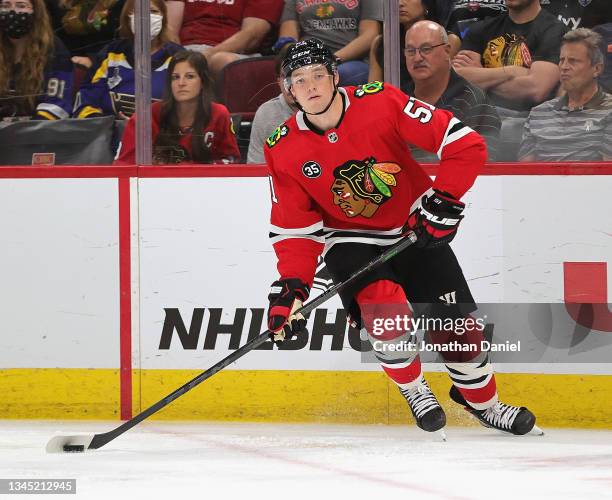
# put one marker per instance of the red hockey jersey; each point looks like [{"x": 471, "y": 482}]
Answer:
[
  {"x": 219, "y": 137},
  {"x": 357, "y": 182}
]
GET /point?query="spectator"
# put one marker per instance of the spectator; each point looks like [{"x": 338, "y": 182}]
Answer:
[
  {"x": 579, "y": 13},
  {"x": 36, "y": 73},
  {"x": 186, "y": 126},
  {"x": 434, "y": 81},
  {"x": 224, "y": 31},
  {"x": 85, "y": 26},
  {"x": 348, "y": 28},
  {"x": 578, "y": 125},
  {"x": 463, "y": 13},
  {"x": 513, "y": 56},
  {"x": 109, "y": 89},
  {"x": 410, "y": 11},
  {"x": 270, "y": 114}
]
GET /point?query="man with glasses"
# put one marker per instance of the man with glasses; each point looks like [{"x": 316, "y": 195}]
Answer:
[
  {"x": 343, "y": 184},
  {"x": 433, "y": 80}
]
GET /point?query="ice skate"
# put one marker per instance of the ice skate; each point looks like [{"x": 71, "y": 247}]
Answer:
[
  {"x": 427, "y": 412},
  {"x": 516, "y": 420}
]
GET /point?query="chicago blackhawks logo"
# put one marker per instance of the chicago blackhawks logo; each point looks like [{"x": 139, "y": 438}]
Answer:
[
  {"x": 360, "y": 187},
  {"x": 277, "y": 135},
  {"x": 369, "y": 88},
  {"x": 324, "y": 11},
  {"x": 507, "y": 50}
]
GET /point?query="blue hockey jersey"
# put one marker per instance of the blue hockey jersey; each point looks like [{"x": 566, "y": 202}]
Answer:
[
  {"x": 55, "y": 100},
  {"x": 109, "y": 86}
]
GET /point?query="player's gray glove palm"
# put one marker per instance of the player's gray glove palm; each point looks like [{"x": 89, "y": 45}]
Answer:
[{"x": 286, "y": 296}]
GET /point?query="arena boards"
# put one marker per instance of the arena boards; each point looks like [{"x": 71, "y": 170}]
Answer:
[{"x": 93, "y": 280}]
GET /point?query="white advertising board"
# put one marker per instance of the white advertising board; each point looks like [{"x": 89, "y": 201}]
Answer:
[
  {"x": 205, "y": 259},
  {"x": 59, "y": 269}
]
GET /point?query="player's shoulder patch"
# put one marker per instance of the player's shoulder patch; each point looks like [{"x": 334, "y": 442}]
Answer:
[
  {"x": 369, "y": 89},
  {"x": 277, "y": 135}
]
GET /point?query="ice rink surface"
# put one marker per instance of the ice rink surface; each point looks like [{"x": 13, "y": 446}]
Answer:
[{"x": 173, "y": 461}]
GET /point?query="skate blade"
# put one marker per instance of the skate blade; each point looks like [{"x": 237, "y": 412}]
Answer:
[
  {"x": 536, "y": 431},
  {"x": 442, "y": 435}
]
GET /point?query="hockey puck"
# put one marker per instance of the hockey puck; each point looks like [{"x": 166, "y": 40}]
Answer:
[{"x": 74, "y": 448}]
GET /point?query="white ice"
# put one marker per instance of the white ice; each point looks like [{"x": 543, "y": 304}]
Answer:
[{"x": 173, "y": 461}]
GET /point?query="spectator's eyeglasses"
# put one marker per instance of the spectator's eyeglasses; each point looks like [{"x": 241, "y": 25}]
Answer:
[{"x": 425, "y": 50}]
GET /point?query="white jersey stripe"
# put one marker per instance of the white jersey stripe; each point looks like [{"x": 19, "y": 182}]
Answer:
[
  {"x": 454, "y": 136},
  {"x": 317, "y": 226},
  {"x": 280, "y": 237}
]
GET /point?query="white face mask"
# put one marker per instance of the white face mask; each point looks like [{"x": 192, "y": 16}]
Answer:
[{"x": 156, "y": 24}]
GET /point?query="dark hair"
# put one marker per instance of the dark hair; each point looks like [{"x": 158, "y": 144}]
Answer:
[
  {"x": 167, "y": 142},
  {"x": 429, "y": 14},
  {"x": 280, "y": 57},
  {"x": 125, "y": 31}
]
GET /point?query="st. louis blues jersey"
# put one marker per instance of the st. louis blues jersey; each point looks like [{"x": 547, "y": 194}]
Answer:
[
  {"x": 55, "y": 99},
  {"x": 109, "y": 88}
]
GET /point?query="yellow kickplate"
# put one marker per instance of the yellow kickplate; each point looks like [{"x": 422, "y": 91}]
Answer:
[
  {"x": 581, "y": 401},
  {"x": 58, "y": 393}
]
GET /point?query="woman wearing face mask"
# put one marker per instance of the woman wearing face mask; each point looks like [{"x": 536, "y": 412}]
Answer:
[
  {"x": 186, "y": 126},
  {"x": 109, "y": 87},
  {"x": 35, "y": 68}
]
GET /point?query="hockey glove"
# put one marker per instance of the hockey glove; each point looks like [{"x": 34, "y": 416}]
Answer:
[
  {"x": 436, "y": 219},
  {"x": 286, "y": 297}
]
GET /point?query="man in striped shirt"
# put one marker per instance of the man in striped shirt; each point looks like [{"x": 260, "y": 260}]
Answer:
[
  {"x": 434, "y": 81},
  {"x": 578, "y": 125}
]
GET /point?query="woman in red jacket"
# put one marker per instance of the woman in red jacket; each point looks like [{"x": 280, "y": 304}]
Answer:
[{"x": 186, "y": 126}]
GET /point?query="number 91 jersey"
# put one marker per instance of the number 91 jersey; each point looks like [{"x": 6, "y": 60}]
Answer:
[
  {"x": 55, "y": 101},
  {"x": 357, "y": 181}
]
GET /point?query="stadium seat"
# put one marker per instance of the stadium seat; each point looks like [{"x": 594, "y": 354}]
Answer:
[
  {"x": 79, "y": 74},
  {"x": 242, "y": 87},
  {"x": 58, "y": 142},
  {"x": 246, "y": 84},
  {"x": 510, "y": 137}
]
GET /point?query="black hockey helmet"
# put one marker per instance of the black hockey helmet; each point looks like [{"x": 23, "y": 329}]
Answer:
[{"x": 305, "y": 53}]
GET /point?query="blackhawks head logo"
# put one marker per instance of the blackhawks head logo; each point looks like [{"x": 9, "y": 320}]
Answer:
[
  {"x": 324, "y": 11},
  {"x": 363, "y": 186}
]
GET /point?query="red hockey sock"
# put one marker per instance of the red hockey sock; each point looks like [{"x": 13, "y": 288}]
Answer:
[
  {"x": 406, "y": 374},
  {"x": 483, "y": 397},
  {"x": 386, "y": 300}
]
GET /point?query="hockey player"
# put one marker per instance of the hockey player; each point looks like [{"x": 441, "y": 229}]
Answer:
[{"x": 343, "y": 184}]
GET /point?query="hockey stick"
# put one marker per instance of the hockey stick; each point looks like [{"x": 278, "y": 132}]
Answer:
[{"x": 79, "y": 443}]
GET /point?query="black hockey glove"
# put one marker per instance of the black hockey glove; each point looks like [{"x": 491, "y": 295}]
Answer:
[
  {"x": 436, "y": 219},
  {"x": 286, "y": 296}
]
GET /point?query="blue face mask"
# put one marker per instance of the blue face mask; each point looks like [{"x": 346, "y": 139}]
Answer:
[{"x": 16, "y": 24}]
